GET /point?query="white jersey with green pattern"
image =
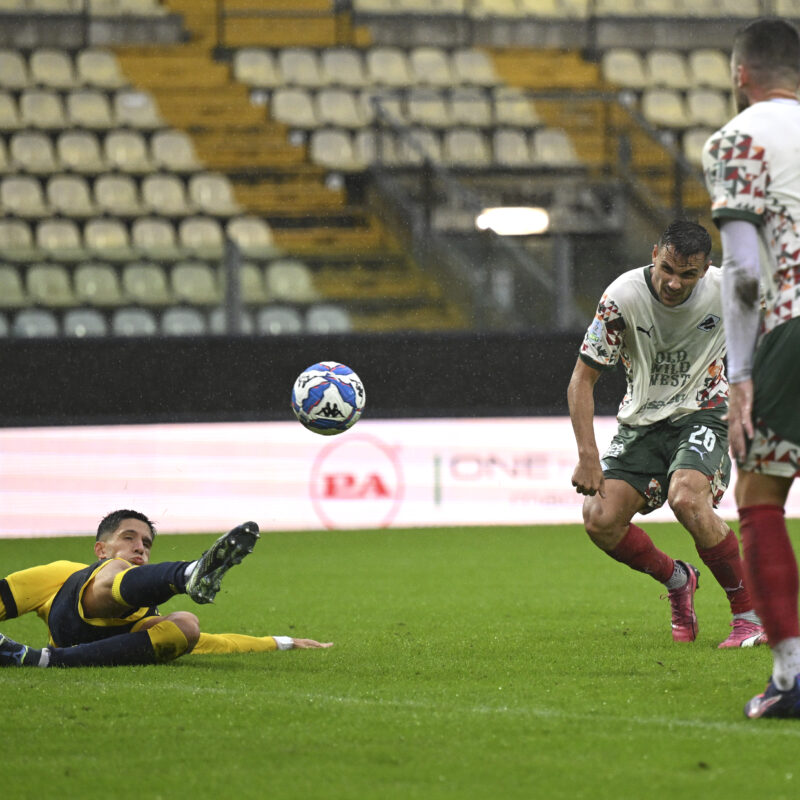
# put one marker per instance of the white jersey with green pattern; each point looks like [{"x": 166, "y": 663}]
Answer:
[
  {"x": 752, "y": 170},
  {"x": 673, "y": 356}
]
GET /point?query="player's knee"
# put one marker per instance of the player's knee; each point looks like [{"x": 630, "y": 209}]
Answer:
[
  {"x": 189, "y": 626},
  {"x": 174, "y": 635},
  {"x": 684, "y": 500},
  {"x": 599, "y": 524}
]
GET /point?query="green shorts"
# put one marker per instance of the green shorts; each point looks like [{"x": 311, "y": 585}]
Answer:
[
  {"x": 646, "y": 457},
  {"x": 775, "y": 449}
]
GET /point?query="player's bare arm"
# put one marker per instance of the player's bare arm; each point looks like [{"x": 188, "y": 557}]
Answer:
[
  {"x": 307, "y": 644},
  {"x": 740, "y": 301},
  {"x": 587, "y": 477}
]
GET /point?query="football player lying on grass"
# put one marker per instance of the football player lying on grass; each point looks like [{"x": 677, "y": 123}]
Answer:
[{"x": 106, "y": 614}]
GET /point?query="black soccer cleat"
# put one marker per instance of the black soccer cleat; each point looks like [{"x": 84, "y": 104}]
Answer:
[
  {"x": 12, "y": 654},
  {"x": 227, "y": 551},
  {"x": 773, "y": 702}
]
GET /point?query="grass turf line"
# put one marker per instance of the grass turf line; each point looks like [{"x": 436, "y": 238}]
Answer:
[{"x": 481, "y": 662}]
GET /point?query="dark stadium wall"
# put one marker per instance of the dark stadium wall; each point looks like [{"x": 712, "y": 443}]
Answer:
[{"x": 115, "y": 381}]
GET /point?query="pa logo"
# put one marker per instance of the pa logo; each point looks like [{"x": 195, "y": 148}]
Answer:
[{"x": 709, "y": 323}]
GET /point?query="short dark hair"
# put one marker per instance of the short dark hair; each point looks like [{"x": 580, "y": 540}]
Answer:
[
  {"x": 770, "y": 47},
  {"x": 686, "y": 238},
  {"x": 112, "y": 521}
]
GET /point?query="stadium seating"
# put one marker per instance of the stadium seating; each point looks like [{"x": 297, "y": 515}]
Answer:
[
  {"x": 334, "y": 149},
  {"x": 127, "y": 151},
  {"x": 201, "y": 237},
  {"x": 146, "y": 284},
  {"x": 32, "y": 151},
  {"x": 431, "y": 66},
  {"x": 253, "y": 289},
  {"x": 137, "y": 109},
  {"x": 35, "y": 323},
  {"x": 9, "y": 113},
  {"x": 70, "y": 196},
  {"x": 511, "y": 147},
  {"x": 107, "y": 239},
  {"x": 60, "y": 240},
  {"x": 466, "y": 147},
  {"x": 256, "y": 67},
  {"x": 299, "y": 66},
  {"x": 552, "y": 147},
  {"x": 43, "y": 109},
  {"x": 294, "y": 107},
  {"x": 80, "y": 151},
  {"x": 12, "y": 291},
  {"x": 290, "y": 280},
  {"x": 118, "y": 195},
  {"x": 173, "y": 150},
  {"x": 253, "y": 237},
  {"x": 667, "y": 68},
  {"x": 133, "y": 322},
  {"x": 17, "y": 242},
  {"x": 343, "y": 67},
  {"x": 326, "y": 318},
  {"x": 217, "y": 322},
  {"x": 89, "y": 108},
  {"x": 97, "y": 284},
  {"x": 83, "y": 322},
  {"x": 133, "y": 199},
  {"x": 211, "y": 193},
  {"x": 13, "y": 70},
  {"x": 52, "y": 68},
  {"x": 275, "y": 320},
  {"x": 195, "y": 283},
  {"x": 165, "y": 195},
  {"x": 179, "y": 321},
  {"x": 693, "y": 141},
  {"x": 99, "y": 68},
  {"x": 708, "y": 107},
  {"x": 710, "y": 68},
  {"x": 155, "y": 238},
  {"x": 49, "y": 285}
]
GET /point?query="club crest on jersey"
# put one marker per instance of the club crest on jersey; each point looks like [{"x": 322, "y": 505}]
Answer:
[{"x": 709, "y": 323}]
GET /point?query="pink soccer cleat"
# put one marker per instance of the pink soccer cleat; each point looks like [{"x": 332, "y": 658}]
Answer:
[
  {"x": 684, "y": 620},
  {"x": 745, "y": 634}
]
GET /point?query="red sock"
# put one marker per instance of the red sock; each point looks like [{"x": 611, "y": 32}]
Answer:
[
  {"x": 726, "y": 566},
  {"x": 771, "y": 569},
  {"x": 638, "y": 551}
]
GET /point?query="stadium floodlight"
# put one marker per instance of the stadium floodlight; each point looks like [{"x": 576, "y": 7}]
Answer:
[{"x": 513, "y": 221}]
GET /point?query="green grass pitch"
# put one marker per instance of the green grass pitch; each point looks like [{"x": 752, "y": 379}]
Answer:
[{"x": 468, "y": 663}]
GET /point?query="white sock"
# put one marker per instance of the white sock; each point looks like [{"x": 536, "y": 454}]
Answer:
[
  {"x": 786, "y": 655},
  {"x": 750, "y": 616},
  {"x": 187, "y": 573},
  {"x": 678, "y": 579},
  {"x": 44, "y": 658}
]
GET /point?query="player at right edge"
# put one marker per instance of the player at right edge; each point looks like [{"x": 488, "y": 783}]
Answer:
[{"x": 752, "y": 170}]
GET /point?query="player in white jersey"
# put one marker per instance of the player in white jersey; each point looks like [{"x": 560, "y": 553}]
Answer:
[
  {"x": 752, "y": 169},
  {"x": 663, "y": 322}
]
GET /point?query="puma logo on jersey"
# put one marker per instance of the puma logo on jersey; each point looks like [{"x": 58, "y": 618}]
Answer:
[
  {"x": 649, "y": 331},
  {"x": 709, "y": 323}
]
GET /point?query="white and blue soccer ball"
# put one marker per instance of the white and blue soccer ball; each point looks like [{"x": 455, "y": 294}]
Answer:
[{"x": 328, "y": 398}]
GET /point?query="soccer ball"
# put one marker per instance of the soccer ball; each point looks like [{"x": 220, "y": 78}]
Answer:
[{"x": 328, "y": 398}]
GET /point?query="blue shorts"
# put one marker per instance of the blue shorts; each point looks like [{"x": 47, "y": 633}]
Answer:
[{"x": 69, "y": 626}]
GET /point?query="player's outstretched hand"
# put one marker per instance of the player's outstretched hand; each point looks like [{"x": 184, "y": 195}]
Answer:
[{"x": 304, "y": 644}]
